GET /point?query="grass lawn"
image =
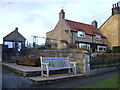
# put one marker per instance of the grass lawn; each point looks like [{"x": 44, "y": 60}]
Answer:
[{"x": 107, "y": 83}]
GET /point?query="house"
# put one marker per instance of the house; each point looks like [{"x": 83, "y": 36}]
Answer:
[
  {"x": 111, "y": 27},
  {"x": 14, "y": 40},
  {"x": 81, "y": 35}
]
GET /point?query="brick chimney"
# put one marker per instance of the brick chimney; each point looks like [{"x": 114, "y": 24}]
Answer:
[
  {"x": 94, "y": 23},
  {"x": 116, "y": 8},
  {"x": 62, "y": 14}
]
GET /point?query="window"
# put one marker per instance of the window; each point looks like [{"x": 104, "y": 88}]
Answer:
[
  {"x": 83, "y": 45},
  {"x": 10, "y": 44},
  {"x": 81, "y": 34},
  {"x": 98, "y": 37},
  {"x": 101, "y": 48}
]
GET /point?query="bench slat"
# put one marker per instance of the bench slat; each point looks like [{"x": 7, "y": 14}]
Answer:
[{"x": 59, "y": 68}]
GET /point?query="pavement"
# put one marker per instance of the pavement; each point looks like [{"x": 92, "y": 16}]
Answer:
[
  {"x": 13, "y": 80},
  {"x": 0, "y": 76},
  {"x": 74, "y": 83},
  {"x": 22, "y": 67}
]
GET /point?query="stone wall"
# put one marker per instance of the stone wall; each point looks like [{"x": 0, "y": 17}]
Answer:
[
  {"x": 80, "y": 56},
  {"x": 111, "y": 29},
  {"x": 59, "y": 34}
]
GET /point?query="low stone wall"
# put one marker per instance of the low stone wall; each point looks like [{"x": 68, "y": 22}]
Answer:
[
  {"x": 78, "y": 56},
  {"x": 99, "y": 71}
]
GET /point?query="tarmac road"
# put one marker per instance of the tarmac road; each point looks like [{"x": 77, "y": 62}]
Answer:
[{"x": 13, "y": 80}]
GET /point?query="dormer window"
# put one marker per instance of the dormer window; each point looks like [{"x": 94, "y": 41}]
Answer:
[
  {"x": 80, "y": 34},
  {"x": 98, "y": 37}
]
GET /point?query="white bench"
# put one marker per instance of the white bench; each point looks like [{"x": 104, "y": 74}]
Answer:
[{"x": 56, "y": 63}]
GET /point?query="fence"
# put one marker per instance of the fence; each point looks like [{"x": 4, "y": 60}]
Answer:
[{"x": 105, "y": 60}]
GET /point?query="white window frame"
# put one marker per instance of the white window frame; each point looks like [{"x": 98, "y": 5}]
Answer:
[
  {"x": 98, "y": 37},
  {"x": 103, "y": 48},
  {"x": 83, "y": 45},
  {"x": 81, "y": 34}
]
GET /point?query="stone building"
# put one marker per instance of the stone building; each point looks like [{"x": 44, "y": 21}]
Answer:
[
  {"x": 14, "y": 40},
  {"x": 111, "y": 27},
  {"x": 68, "y": 32},
  {"x": 13, "y": 44}
]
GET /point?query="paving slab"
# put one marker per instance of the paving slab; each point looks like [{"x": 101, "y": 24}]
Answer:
[
  {"x": 34, "y": 74},
  {"x": 54, "y": 78},
  {"x": 22, "y": 67},
  {"x": 23, "y": 70}
]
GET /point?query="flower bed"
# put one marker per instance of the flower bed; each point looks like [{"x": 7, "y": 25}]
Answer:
[{"x": 28, "y": 60}]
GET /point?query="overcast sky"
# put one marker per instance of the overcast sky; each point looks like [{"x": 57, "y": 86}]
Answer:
[{"x": 36, "y": 17}]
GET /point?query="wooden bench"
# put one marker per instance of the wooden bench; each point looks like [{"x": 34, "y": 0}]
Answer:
[{"x": 56, "y": 63}]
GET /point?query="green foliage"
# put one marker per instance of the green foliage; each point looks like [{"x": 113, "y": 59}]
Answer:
[
  {"x": 83, "y": 49},
  {"x": 116, "y": 49},
  {"x": 72, "y": 45},
  {"x": 42, "y": 47},
  {"x": 109, "y": 51},
  {"x": 30, "y": 60}
]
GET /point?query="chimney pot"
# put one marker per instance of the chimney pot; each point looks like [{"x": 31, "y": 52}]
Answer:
[
  {"x": 16, "y": 28},
  {"x": 62, "y": 14}
]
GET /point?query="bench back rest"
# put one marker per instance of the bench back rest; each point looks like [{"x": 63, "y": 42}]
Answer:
[{"x": 55, "y": 61}]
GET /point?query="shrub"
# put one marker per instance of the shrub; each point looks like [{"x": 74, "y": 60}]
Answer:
[
  {"x": 72, "y": 45},
  {"x": 108, "y": 51},
  {"x": 116, "y": 49},
  {"x": 83, "y": 49}
]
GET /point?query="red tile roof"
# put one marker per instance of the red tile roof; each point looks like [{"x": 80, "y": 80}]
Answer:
[{"x": 88, "y": 29}]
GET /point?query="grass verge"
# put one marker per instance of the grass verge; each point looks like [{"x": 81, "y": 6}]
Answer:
[{"x": 112, "y": 82}]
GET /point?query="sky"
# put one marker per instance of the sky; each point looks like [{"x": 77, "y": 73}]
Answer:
[{"x": 36, "y": 17}]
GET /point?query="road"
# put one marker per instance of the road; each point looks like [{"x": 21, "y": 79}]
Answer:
[{"x": 13, "y": 80}]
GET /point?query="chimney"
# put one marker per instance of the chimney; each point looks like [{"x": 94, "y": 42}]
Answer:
[
  {"x": 16, "y": 28},
  {"x": 94, "y": 23},
  {"x": 116, "y": 8},
  {"x": 62, "y": 14}
]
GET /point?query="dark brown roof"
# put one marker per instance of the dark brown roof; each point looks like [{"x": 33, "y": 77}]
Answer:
[
  {"x": 14, "y": 35},
  {"x": 88, "y": 29}
]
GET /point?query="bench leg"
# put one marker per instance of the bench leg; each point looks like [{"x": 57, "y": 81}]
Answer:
[
  {"x": 47, "y": 73},
  {"x": 69, "y": 71},
  {"x": 74, "y": 70},
  {"x": 41, "y": 73}
]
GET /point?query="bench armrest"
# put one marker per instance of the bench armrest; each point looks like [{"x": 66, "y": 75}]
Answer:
[
  {"x": 46, "y": 63},
  {"x": 74, "y": 63}
]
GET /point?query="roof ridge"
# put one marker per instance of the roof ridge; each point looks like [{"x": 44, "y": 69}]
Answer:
[{"x": 78, "y": 22}]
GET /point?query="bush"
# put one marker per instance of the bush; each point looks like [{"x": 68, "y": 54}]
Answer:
[
  {"x": 108, "y": 51},
  {"x": 83, "y": 49},
  {"x": 72, "y": 45},
  {"x": 116, "y": 49},
  {"x": 28, "y": 60},
  {"x": 41, "y": 48}
]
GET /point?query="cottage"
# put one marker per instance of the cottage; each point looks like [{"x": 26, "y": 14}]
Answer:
[
  {"x": 111, "y": 27},
  {"x": 14, "y": 40},
  {"x": 71, "y": 33}
]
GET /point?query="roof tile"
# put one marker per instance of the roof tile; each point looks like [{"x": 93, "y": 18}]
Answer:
[{"x": 88, "y": 29}]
